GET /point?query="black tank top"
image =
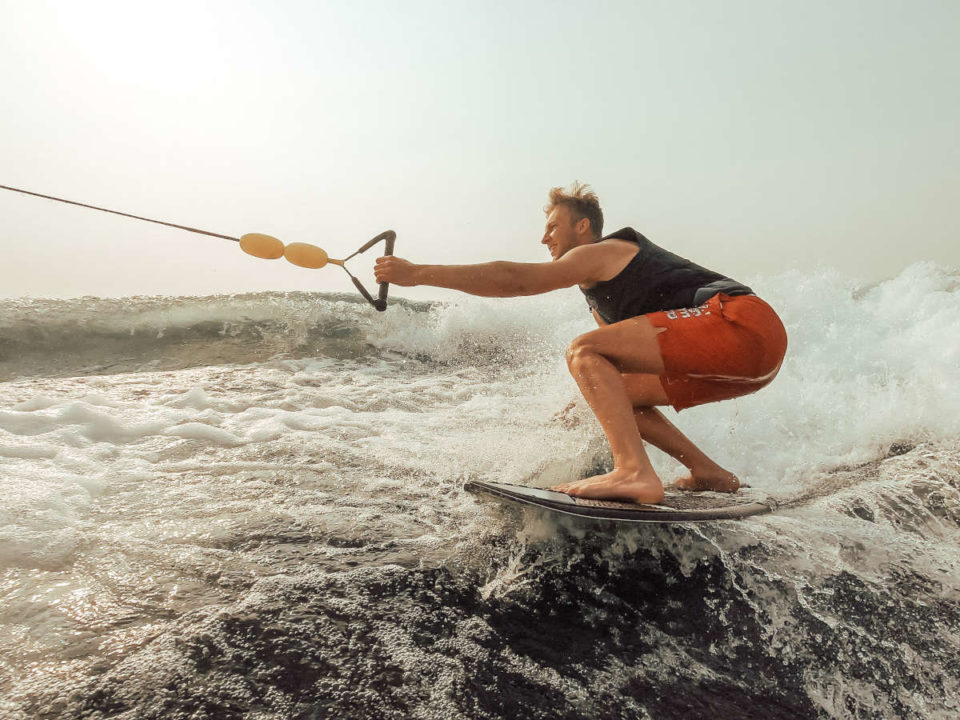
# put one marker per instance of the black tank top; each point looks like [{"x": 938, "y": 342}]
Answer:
[{"x": 655, "y": 279}]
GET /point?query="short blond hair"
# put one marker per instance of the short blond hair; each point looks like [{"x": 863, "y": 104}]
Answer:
[{"x": 583, "y": 203}]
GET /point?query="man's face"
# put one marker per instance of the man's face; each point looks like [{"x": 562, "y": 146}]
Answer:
[{"x": 560, "y": 235}]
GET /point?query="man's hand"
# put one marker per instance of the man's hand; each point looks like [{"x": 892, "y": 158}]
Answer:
[{"x": 394, "y": 270}]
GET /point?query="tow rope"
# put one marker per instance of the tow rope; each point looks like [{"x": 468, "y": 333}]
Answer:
[{"x": 266, "y": 246}]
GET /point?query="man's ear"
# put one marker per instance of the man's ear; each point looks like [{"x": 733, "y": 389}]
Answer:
[{"x": 583, "y": 225}]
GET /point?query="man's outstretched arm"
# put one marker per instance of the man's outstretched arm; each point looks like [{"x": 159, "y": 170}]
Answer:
[{"x": 501, "y": 278}]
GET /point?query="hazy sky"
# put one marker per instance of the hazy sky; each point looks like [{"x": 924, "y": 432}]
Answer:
[{"x": 752, "y": 137}]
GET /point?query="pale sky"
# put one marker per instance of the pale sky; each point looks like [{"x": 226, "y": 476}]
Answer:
[{"x": 752, "y": 137}]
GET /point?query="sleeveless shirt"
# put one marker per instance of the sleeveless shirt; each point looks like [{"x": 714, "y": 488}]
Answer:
[{"x": 655, "y": 279}]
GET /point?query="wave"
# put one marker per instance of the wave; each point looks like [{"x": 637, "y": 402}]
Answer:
[
  {"x": 90, "y": 335},
  {"x": 876, "y": 361}
]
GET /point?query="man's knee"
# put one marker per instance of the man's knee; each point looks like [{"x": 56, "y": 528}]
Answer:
[
  {"x": 579, "y": 350},
  {"x": 631, "y": 345}
]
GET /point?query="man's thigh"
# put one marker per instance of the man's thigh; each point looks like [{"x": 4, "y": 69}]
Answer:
[
  {"x": 645, "y": 390},
  {"x": 631, "y": 345}
]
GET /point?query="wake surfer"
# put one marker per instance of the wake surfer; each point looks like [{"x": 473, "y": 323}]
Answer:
[{"x": 670, "y": 333}]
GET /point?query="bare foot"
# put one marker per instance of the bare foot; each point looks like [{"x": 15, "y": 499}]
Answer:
[
  {"x": 719, "y": 480},
  {"x": 629, "y": 485}
]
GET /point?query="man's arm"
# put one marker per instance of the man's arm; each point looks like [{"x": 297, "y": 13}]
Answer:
[{"x": 581, "y": 265}]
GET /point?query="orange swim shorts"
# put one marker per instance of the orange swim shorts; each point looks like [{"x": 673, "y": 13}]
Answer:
[{"x": 727, "y": 347}]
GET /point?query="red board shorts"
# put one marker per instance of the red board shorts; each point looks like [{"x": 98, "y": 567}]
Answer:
[{"x": 727, "y": 347}]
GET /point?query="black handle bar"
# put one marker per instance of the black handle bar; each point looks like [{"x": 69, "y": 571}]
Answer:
[{"x": 390, "y": 237}]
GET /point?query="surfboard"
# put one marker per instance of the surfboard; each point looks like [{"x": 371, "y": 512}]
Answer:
[{"x": 676, "y": 506}]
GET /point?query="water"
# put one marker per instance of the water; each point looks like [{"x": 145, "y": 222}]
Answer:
[{"x": 253, "y": 506}]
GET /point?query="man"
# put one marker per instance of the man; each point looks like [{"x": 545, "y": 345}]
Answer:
[{"x": 671, "y": 333}]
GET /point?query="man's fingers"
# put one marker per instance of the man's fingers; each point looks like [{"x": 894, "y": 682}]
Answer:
[
  {"x": 382, "y": 270},
  {"x": 394, "y": 270}
]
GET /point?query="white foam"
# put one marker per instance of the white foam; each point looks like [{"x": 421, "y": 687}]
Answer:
[
  {"x": 34, "y": 452},
  {"x": 195, "y": 398},
  {"x": 200, "y": 431},
  {"x": 38, "y": 402}
]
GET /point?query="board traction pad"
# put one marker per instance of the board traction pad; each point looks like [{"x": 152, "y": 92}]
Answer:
[{"x": 675, "y": 507}]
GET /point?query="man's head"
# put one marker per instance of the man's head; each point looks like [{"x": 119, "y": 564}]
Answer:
[{"x": 574, "y": 218}]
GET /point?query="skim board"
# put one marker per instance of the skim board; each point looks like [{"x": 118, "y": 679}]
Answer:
[{"x": 676, "y": 506}]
